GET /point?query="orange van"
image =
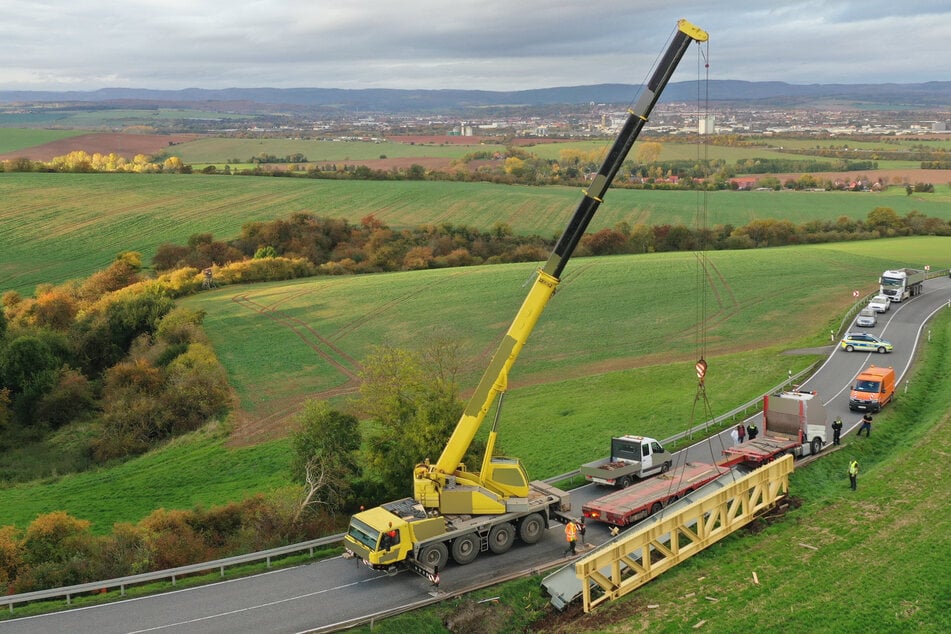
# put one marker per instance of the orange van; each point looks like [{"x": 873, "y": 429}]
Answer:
[{"x": 874, "y": 387}]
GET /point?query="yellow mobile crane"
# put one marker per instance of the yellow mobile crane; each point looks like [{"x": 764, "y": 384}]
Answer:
[{"x": 463, "y": 512}]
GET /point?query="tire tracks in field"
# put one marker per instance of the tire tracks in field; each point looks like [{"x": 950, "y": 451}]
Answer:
[
  {"x": 486, "y": 354},
  {"x": 253, "y": 429},
  {"x": 325, "y": 349},
  {"x": 728, "y": 306},
  {"x": 387, "y": 306}
]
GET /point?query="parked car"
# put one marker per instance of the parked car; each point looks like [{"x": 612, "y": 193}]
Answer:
[
  {"x": 880, "y": 303},
  {"x": 865, "y": 342},
  {"x": 866, "y": 318}
]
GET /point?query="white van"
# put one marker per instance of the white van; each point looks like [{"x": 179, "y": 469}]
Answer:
[{"x": 880, "y": 303}]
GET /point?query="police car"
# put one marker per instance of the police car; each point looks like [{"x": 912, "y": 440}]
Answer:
[{"x": 865, "y": 342}]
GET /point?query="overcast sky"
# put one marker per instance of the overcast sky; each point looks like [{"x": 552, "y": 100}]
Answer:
[{"x": 486, "y": 45}]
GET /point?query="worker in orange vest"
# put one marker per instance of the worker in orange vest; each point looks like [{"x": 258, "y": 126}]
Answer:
[{"x": 571, "y": 534}]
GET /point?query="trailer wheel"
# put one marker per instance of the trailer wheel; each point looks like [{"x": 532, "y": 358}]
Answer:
[
  {"x": 816, "y": 446},
  {"x": 501, "y": 537},
  {"x": 434, "y": 556},
  {"x": 656, "y": 507},
  {"x": 624, "y": 482},
  {"x": 531, "y": 528},
  {"x": 465, "y": 549}
]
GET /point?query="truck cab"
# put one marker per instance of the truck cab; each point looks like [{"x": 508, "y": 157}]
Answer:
[{"x": 874, "y": 387}]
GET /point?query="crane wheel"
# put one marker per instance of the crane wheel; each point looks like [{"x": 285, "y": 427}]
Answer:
[
  {"x": 434, "y": 556},
  {"x": 465, "y": 549},
  {"x": 531, "y": 528},
  {"x": 501, "y": 537}
]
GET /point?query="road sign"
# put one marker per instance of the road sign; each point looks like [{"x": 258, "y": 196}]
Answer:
[{"x": 855, "y": 293}]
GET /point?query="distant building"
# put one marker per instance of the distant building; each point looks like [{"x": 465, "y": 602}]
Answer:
[{"x": 707, "y": 124}]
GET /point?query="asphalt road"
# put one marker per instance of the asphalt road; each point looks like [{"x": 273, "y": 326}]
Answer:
[{"x": 325, "y": 595}]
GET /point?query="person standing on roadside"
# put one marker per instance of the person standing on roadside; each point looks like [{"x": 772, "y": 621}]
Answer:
[
  {"x": 741, "y": 432},
  {"x": 866, "y": 425},
  {"x": 735, "y": 436},
  {"x": 836, "y": 431},
  {"x": 853, "y": 473}
]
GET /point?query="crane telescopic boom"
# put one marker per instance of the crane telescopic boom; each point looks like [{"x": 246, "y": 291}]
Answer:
[
  {"x": 494, "y": 379},
  {"x": 460, "y": 513}
]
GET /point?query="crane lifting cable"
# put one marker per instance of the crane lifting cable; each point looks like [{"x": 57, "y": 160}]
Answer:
[
  {"x": 703, "y": 277},
  {"x": 701, "y": 367}
]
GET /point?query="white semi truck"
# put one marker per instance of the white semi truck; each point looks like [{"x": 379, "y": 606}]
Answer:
[{"x": 901, "y": 284}]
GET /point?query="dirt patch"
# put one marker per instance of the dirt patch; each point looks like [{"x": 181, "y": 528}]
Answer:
[
  {"x": 478, "y": 618},
  {"x": 573, "y": 619},
  {"x": 775, "y": 514},
  {"x": 125, "y": 145}
]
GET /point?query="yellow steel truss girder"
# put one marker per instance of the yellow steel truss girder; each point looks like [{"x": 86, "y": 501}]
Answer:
[{"x": 642, "y": 554}]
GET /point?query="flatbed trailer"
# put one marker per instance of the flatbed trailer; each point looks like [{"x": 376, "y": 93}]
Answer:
[
  {"x": 638, "y": 501},
  {"x": 761, "y": 450}
]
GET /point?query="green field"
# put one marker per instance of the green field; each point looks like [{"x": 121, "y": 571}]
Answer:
[
  {"x": 218, "y": 150},
  {"x": 84, "y": 121},
  {"x": 56, "y": 227}
]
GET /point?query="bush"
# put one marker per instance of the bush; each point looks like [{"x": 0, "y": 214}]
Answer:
[
  {"x": 172, "y": 541},
  {"x": 264, "y": 270},
  {"x": 59, "y": 550},
  {"x": 70, "y": 399}
]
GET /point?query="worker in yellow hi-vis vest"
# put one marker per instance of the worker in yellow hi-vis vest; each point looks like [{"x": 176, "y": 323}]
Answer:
[
  {"x": 853, "y": 473},
  {"x": 571, "y": 534}
]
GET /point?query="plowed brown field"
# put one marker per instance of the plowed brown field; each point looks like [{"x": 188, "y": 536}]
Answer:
[{"x": 125, "y": 145}]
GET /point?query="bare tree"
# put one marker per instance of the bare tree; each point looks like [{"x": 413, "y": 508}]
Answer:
[{"x": 323, "y": 489}]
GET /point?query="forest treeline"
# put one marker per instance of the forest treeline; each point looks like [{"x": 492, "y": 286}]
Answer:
[
  {"x": 513, "y": 165},
  {"x": 335, "y": 246}
]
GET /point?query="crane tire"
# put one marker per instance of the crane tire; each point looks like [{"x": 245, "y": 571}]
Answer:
[
  {"x": 501, "y": 537},
  {"x": 434, "y": 556},
  {"x": 465, "y": 549},
  {"x": 532, "y": 528}
]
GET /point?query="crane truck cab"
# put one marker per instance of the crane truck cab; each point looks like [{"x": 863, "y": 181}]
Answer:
[{"x": 874, "y": 387}]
